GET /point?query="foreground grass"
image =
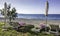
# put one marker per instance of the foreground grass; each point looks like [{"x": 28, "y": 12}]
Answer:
[{"x": 11, "y": 32}]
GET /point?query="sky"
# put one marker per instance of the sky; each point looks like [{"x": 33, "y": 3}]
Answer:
[{"x": 33, "y": 6}]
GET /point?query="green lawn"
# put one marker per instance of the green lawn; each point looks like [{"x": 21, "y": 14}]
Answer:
[{"x": 11, "y": 32}]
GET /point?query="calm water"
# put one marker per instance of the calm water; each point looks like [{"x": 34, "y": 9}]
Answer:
[{"x": 39, "y": 16}]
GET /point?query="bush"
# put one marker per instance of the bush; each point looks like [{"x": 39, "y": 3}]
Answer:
[
  {"x": 22, "y": 24},
  {"x": 30, "y": 26},
  {"x": 45, "y": 29},
  {"x": 9, "y": 28},
  {"x": 26, "y": 28},
  {"x": 14, "y": 24},
  {"x": 1, "y": 24}
]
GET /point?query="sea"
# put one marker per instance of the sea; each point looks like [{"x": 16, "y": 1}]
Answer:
[{"x": 39, "y": 16}]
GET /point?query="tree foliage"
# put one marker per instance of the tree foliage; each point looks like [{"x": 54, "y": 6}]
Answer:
[{"x": 11, "y": 13}]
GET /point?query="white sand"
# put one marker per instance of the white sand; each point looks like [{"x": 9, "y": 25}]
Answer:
[{"x": 36, "y": 22}]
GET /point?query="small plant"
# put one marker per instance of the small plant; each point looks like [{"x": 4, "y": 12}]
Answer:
[
  {"x": 22, "y": 24},
  {"x": 26, "y": 28},
  {"x": 44, "y": 27},
  {"x": 2, "y": 25},
  {"x": 10, "y": 28}
]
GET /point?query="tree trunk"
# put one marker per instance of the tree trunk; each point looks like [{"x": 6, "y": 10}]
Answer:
[
  {"x": 5, "y": 13},
  {"x": 10, "y": 20}
]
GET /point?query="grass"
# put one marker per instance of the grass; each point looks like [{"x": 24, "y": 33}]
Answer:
[{"x": 12, "y": 32}]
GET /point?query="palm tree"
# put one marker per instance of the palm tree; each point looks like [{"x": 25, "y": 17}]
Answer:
[
  {"x": 46, "y": 10},
  {"x": 9, "y": 13}
]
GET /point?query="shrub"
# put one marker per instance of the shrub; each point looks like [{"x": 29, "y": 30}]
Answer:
[
  {"x": 22, "y": 24},
  {"x": 9, "y": 28},
  {"x": 14, "y": 24},
  {"x": 35, "y": 31},
  {"x": 30, "y": 26},
  {"x": 44, "y": 27},
  {"x": 1, "y": 24},
  {"x": 26, "y": 28}
]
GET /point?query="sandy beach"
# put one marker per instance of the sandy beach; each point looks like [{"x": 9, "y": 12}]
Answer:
[{"x": 34, "y": 21}]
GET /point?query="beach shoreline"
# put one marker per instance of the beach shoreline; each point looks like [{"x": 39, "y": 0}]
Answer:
[{"x": 33, "y": 21}]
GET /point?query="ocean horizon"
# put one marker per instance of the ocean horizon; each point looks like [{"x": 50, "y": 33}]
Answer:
[{"x": 38, "y": 16}]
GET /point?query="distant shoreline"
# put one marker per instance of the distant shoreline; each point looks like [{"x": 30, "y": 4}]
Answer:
[
  {"x": 1, "y": 18},
  {"x": 33, "y": 21},
  {"x": 38, "y": 16}
]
